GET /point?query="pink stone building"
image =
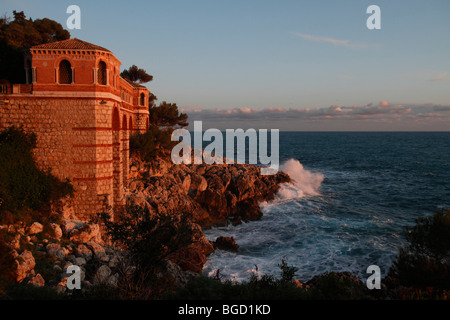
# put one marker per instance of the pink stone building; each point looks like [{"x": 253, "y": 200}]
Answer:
[{"x": 83, "y": 113}]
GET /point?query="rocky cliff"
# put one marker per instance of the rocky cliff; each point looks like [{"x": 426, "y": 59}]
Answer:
[
  {"x": 212, "y": 194},
  {"x": 209, "y": 195}
]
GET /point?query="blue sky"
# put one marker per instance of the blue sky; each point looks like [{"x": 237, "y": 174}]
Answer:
[{"x": 291, "y": 65}]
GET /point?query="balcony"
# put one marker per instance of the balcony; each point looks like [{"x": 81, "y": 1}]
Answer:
[{"x": 6, "y": 88}]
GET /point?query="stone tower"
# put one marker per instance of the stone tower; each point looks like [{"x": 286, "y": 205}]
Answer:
[{"x": 83, "y": 113}]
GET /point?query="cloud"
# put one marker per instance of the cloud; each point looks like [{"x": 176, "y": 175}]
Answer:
[
  {"x": 333, "y": 41},
  {"x": 382, "y": 111},
  {"x": 440, "y": 77}
]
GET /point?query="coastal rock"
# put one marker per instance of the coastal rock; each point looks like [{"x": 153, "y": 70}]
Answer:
[
  {"x": 102, "y": 274},
  {"x": 35, "y": 228},
  {"x": 25, "y": 264},
  {"x": 37, "y": 281},
  {"x": 83, "y": 251},
  {"x": 97, "y": 250},
  {"x": 210, "y": 195},
  {"x": 177, "y": 275},
  {"x": 57, "y": 250},
  {"x": 85, "y": 233},
  {"x": 56, "y": 230},
  {"x": 226, "y": 243}
]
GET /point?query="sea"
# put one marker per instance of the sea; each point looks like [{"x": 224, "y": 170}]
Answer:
[{"x": 352, "y": 197}]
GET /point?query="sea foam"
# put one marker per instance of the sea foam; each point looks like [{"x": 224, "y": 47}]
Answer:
[{"x": 304, "y": 182}]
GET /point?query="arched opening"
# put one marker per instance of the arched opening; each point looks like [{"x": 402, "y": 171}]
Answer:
[
  {"x": 142, "y": 100},
  {"x": 65, "y": 72},
  {"x": 101, "y": 73},
  {"x": 115, "y": 120},
  {"x": 124, "y": 122}
]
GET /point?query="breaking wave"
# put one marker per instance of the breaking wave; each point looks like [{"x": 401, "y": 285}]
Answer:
[{"x": 304, "y": 182}]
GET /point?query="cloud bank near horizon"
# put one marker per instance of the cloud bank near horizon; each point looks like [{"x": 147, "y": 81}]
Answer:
[{"x": 383, "y": 115}]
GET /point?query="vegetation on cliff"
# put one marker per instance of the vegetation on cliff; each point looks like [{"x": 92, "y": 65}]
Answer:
[
  {"x": 26, "y": 193},
  {"x": 17, "y": 34},
  {"x": 422, "y": 267},
  {"x": 156, "y": 141},
  {"x": 25, "y": 190}
]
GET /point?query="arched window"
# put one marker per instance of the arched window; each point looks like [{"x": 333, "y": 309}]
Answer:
[
  {"x": 101, "y": 73},
  {"x": 115, "y": 120},
  {"x": 142, "y": 100},
  {"x": 65, "y": 72}
]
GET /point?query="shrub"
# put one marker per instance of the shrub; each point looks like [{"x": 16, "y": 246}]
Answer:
[
  {"x": 149, "y": 238},
  {"x": 265, "y": 287},
  {"x": 337, "y": 286},
  {"x": 7, "y": 265},
  {"x": 21, "y": 291},
  {"x": 425, "y": 261},
  {"x": 23, "y": 187},
  {"x": 152, "y": 143}
]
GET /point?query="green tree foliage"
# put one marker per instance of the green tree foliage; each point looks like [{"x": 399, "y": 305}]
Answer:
[
  {"x": 19, "y": 34},
  {"x": 22, "y": 185},
  {"x": 326, "y": 286},
  {"x": 136, "y": 74},
  {"x": 425, "y": 261},
  {"x": 149, "y": 238},
  {"x": 166, "y": 115},
  {"x": 156, "y": 141}
]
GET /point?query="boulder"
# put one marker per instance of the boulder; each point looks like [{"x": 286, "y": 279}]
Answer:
[
  {"x": 83, "y": 251},
  {"x": 226, "y": 243},
  {"x": 35, "y": 228},
  {"x": 57, "y": 231},
  {"x": 25, "y": 265},
  {"x": 85, "y": 233},
  {"x": 37, "y": 281},
  {"x": 102, "y": 275},
  {"x": 97, "y": 250},
  {"x": 56, "y": 250}
]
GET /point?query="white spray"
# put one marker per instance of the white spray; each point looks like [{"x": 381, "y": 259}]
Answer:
[{"x": 304, "y": 182}]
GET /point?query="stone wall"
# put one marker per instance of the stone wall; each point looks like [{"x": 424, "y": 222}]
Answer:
[{"x": 77, "y": 140}]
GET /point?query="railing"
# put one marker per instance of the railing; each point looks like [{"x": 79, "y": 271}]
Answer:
[
  {"x": 15, "y": 88},
  {"x": 4, "y": 88}
]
